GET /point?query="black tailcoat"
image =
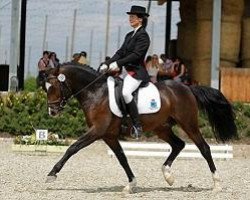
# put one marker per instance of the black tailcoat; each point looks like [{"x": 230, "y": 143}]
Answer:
[{"x": 132, "y": 53}]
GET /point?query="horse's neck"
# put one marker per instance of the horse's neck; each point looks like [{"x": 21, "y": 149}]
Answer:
[
  {"x": 85, "y": 87},
  {"x": 92, "y": 97},
  {"x": 90, "y": 100}
]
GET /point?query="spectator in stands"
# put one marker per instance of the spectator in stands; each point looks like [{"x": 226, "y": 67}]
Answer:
[
  {"x": 53, "y": 60},
  {"x": 83, "y": 58},
  {"x": 148, "y": 59},
  {"x": 180, "y": 72},
  {"x": 166, "y": 70},
  {"x": 153, "y": 67},
  {"x": 163, "y": 57},
  {"x": 44, "y": 61},
  {"x": 42, "y": 65},
  {"x": 75, "y": 58}
]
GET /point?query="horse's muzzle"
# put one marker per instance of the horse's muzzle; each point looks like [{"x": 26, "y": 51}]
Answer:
[{"x": 54, "y": 110}]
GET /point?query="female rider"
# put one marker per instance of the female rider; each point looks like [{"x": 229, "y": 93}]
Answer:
[{"x": 131, "y": 56}]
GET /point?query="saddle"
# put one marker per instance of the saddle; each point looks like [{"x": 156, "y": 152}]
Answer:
[{"x": 147, "y": 98}]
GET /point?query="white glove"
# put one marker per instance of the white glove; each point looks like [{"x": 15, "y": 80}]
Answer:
[
  {"x": 103, "y": 68},
  {"x": 114, "y": 67}
]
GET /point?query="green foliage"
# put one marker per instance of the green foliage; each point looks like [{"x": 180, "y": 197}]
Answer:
[
  {"x": 53, "y": 139},
  {"x": 22, "y": 112},
  {"x": 247, "y": 110},
  {"x": 30, "y": 84},
  {"x": 204, "y": 125},
  {"x": 148, "y": 134},
  {"x": 242, "y": 119}
]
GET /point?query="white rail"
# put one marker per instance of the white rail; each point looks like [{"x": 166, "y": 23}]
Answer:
[{"x": 164, "y": 149}]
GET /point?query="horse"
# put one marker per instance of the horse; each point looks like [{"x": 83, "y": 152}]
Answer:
[{"x": 179, "y": 105}]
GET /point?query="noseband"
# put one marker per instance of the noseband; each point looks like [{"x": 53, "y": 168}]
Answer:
[{"x": 65, "y": 94}]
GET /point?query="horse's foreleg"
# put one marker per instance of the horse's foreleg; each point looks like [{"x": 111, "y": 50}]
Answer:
[
  {"x": 82, "y": 142},
  {"x": 166, "y": 134},
  {"x": 118, "y": 151}
]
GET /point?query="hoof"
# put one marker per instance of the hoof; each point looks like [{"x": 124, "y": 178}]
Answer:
[
  {"x": 131, "y": 187},
  {"x": 129, "y": 190},
  {"x": 50, "y": 179},
  {"x": 167, "y": 175},
  {"x": 217, "y": 189},
  {"x": 170, "y": 179},
  {"x": 217, "y": 182}
]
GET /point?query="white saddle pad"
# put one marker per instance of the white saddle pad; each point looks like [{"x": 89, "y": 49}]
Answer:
[{"x": 148, "y": 99}]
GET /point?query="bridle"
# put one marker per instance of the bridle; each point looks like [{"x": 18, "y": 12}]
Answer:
[{"x": 66, "y": 92}]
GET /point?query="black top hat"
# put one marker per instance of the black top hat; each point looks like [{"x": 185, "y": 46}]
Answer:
[{"x": 138, "y": 10}]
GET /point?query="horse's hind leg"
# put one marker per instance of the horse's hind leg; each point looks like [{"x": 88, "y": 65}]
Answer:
[
  {"x": 82, "y": 142},
  {"x": 165, "y": 133},
  {"x": 118, "y": 151},
  {"x": 194, "y": 133}
]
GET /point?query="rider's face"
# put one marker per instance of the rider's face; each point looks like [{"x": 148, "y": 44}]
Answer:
[{"x": 135, "y": 21}]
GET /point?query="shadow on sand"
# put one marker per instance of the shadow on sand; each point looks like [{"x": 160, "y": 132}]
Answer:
[{"x": 189, "y": 188}]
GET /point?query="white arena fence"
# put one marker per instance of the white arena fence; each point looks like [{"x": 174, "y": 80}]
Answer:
[{"x": 163, "y": 150}]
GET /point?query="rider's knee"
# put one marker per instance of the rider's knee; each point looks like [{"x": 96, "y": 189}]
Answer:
[{"x": 127, "y": 96}]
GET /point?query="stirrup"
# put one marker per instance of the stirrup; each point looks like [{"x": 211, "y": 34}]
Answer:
[{"x": 136, "y": 132}]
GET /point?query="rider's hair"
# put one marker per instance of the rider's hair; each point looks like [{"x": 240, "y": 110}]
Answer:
[{"x": 144, "y": 19}]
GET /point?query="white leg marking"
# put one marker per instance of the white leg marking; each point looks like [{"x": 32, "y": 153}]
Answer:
[
  {"x": 167, "y": 174},
  {"x": 217, "y": 181},
  {"x": 130, "y": 188}
]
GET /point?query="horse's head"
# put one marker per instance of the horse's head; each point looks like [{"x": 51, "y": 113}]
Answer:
[
  {"x": 57, "y": 89},
  {"x": 69, "y": 80}
]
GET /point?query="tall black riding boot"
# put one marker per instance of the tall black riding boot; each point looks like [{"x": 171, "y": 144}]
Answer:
[{"x": 134, "y": 115}]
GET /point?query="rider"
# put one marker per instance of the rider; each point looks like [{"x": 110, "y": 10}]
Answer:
[{"x": 131, "y": 56}]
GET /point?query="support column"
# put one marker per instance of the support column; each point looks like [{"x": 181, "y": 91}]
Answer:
[
  {"x": 22, "y": 45},
  {"x": 45, "y": 33},
  {"x": 107, "y": 29},
  {"x": 91, "y": 46},
  {"x": 14, "y": 44},
  {"x": 216, "y": 36},
  {"x": 73, "y": 34},
  {"x": 168, "y": 26}
]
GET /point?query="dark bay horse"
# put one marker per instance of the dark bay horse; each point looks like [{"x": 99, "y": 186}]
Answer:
[{"x": 179, "y": 104}]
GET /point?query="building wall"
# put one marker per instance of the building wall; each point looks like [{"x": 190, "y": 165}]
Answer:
[{"x": 195, "y": 36}]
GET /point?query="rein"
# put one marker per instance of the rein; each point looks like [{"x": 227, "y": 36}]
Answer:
[
  {"x": 91, "y": 83},
  {"x": 64, "y": 99}
]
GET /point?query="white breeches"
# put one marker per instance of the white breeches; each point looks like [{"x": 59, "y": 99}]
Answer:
[{"x": 130, "y": 84}]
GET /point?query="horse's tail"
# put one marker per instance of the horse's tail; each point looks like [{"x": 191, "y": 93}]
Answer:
[{"x": 219, "y": 111}]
